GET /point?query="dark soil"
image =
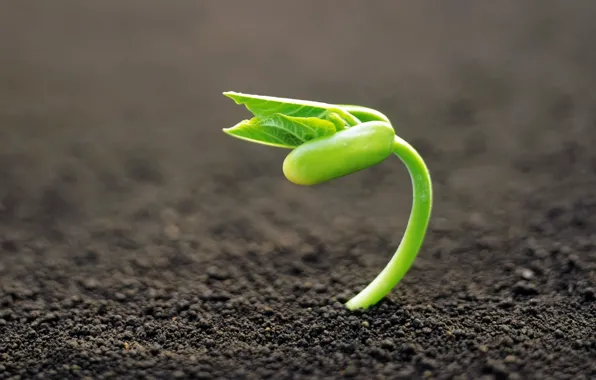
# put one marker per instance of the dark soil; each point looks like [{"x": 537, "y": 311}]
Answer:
[{"x": 138, "y": 241}]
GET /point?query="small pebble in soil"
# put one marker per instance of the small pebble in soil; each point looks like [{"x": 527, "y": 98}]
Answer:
[{"x": 525, "y": 273}]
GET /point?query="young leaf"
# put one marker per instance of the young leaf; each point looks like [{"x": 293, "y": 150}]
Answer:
[
  {"x": 269, "y": 105},
  {"x": 281, "y": 130},
  {"x": 337, "y": 121}
]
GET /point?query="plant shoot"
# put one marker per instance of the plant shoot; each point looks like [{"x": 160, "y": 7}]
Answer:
[{"x": 329, "y": 141}]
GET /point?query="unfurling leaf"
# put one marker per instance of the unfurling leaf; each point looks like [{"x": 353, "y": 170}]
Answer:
[
  {"x": 269, "y": 105},
  {"x": 281, "y": 131}
]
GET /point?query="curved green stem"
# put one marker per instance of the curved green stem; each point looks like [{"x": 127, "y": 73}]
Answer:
[{"x": 414, "y": 235}]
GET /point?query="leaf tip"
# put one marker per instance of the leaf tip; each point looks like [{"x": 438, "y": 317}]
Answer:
[
  {"x": 233, "y": 95},
  {"x": 229, "y": 131}
]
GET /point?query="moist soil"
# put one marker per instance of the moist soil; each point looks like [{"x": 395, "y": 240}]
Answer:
[{"x": 137, "y": 241}]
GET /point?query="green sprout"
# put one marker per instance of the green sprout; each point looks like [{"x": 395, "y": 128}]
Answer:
[{"x": 329, "y": 141}]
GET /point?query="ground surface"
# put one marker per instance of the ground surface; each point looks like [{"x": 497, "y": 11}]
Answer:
[{"x": 138, "y": 241}]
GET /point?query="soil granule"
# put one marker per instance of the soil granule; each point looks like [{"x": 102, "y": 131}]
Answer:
[{"x": 138, "y": 241}]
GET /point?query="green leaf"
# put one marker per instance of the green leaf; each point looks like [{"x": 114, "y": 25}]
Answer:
[
  {"x": 269, "y": 105},
  {"x": 337, "y": 121},
  {"x": 281, "y": 130}
]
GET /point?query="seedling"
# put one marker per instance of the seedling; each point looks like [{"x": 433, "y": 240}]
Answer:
[{"x": 329, "y": 141}]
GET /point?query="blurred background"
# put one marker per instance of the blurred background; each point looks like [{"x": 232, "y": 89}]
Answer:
[{"x": 108, "y": 105}]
